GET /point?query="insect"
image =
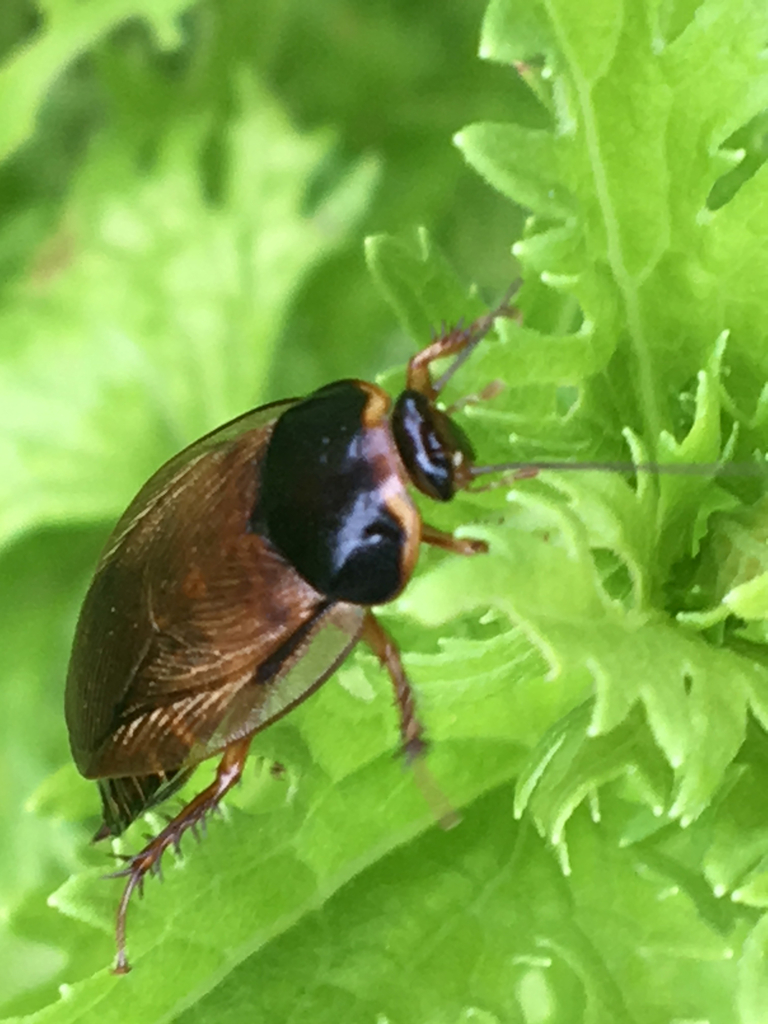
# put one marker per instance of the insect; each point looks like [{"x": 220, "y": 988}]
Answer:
[{"x": 243, "y": 574}]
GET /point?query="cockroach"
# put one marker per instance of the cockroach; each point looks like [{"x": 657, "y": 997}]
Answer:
[{"x": 242, "y": 575}]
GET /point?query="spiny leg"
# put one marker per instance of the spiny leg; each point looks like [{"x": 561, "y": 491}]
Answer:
[
  {"x": 458, "y": 341},
  {"x": 227, "y": 775},
  {"x": 411, "y": 730}
]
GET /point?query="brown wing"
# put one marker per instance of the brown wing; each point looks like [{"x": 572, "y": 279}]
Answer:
[
  {"x": 291, "y": 673},
  {"x": 296, "y": 669},
  {"x": 172, "y": 475},
  {"x": 191, "y": 615}
]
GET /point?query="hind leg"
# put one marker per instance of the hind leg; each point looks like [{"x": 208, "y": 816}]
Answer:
[{"x": 228, "y": 774}]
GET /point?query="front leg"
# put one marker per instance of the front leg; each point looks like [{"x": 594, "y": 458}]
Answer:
[
  {"x": 447, "y": 541},
  {"x": 458, "y": 341}
]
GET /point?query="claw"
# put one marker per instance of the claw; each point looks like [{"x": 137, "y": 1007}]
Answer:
[{"x": 123, "y": 873}]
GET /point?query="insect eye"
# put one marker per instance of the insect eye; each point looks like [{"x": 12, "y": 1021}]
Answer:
[{"x": 430, "y": 444}]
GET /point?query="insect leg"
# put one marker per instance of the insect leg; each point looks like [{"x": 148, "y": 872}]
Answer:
[
  {"x": 411, "y": 729},
  {"x": 385, "y": 649},
  {"x": 229, "y": 771},
  {"x": 458, "y": 341},
  {"x": 447, "y": 541},
  {"x": 491, "y": 390}
]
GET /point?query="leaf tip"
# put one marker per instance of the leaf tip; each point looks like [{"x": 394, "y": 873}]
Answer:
[
  {"x": 560, "y": 282},
  {"x": 561, "y": 850}
]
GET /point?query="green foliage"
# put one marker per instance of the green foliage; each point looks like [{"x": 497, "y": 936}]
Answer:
[
  {"x": 596, "y": 689},
  {"x": 153, "y": 313}
]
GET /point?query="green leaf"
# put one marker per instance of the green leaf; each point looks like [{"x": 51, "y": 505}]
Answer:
[
  {"x": 634, "y": 113},
  {"x": 752, "y": 970},
  {"x": 589, "y": 642},
  {"x": 161, "y": 312},
  {"x": 570, "y": 764},
  {"x": 559, "y": 676},
  {"x": 418, "y": 282},
  {"x": 584, "y": 942},
  {"x": 587, "y": 940},
  {"x": 71, "y": 29}
]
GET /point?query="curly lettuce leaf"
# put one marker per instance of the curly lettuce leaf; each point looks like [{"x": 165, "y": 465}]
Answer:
[{"x": 558, "y": 681}]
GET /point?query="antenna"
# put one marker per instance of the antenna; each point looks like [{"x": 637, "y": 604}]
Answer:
[{"x": 524, "y": 470}]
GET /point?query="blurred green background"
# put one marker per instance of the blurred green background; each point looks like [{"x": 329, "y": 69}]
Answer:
[{"x": 184, "y": 193}]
